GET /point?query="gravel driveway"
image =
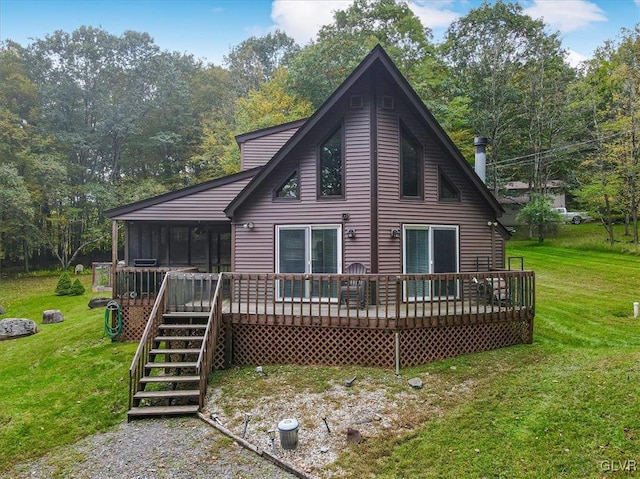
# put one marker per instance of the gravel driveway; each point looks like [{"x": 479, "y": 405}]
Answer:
[{"x": 152, "y": 448}]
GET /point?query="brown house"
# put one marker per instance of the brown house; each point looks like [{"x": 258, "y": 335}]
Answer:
[{"x": 366, "y": 199}]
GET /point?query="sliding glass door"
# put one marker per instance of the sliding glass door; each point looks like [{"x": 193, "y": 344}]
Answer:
[
  {"x": 430, "y": 249},
  {"x": 312, "y": 249}
]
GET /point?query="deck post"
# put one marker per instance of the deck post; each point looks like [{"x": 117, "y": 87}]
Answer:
[
  {"x": 397, "y": 353},
  {"x": 228, "y": 341},
  {"x": 114, "y": 257}
]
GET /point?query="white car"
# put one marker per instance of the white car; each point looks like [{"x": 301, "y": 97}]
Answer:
[{"x": 573, "y": 217}]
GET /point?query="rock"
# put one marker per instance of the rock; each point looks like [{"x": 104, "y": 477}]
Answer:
[
  {"x": 415, "y": 383},
  {"x": 98, "y": 302},
  {"x": 51, "y": 316},
  {"x": 17, "y": 327},
  {"x": 79, "y": 269},
  {"x": 353, "y": 436},
  {"x": 2, "y": 310}
]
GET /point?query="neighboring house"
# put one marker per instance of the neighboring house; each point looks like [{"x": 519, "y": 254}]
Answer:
[
  {"x": 370, "y": 179},
  {"x": 517, "y": 194}
]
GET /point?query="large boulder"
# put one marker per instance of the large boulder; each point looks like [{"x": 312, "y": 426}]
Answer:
[
  {"x": 98, "y": 302},
  {"x": 51, "y": 316},
  {"x": 17, "y": 327}
]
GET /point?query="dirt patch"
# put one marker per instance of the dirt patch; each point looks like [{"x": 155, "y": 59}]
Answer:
[{"x": 373, "y": 407}]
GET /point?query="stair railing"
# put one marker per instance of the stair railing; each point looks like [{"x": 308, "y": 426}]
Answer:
[
  {"x": 140, "y": 359},
  {"x": 209, "y": 344}
]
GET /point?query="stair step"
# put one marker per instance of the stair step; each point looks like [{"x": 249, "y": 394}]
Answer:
[
  {"x": 169, "y": 394},
  {"x": 187, "y": 314},
  {"x": 174, "y": 351},
  {"x": 169, "y": 379},
  {"x": 147, "y": 411},
  {"x": 179, "y": 338},
  {"x": 172, "y": 365},
  {"x": 183, "y": 326}
]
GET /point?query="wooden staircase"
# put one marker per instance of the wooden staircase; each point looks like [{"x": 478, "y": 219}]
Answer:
[{"x": 170, "y": 383}]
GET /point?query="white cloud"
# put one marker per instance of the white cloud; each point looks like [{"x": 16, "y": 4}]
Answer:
[
  {"x": 567, "y": 15},
  {"x": 301, "y": 19},
  {"x": 434, "y": 14},
  {"x": 575, "y": 59}
]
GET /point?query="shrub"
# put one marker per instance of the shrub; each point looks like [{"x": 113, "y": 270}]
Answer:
[
  {"x": 76, "y": 288},
  {"x": 64, "y": 285}
]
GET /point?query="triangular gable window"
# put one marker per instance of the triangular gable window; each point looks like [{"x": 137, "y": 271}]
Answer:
[
  {"x": 447, "y": 191},
  {"x": 290, "y": 189}
]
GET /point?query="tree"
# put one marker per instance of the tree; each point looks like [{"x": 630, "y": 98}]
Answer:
[
  {"x": 256, "y": 60},
  {"x": 320, "y": 67},
  {"x": 502, "y": 60},
  {"x": 611, "y": 86},
  {"x": 16, "y": 213},
  {"x": 539, "y": 216}
]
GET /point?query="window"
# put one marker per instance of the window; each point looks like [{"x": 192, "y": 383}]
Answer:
[
  {"x": 447, "y": 191},
  {"x": 411, "y": 166},
  {"x": 290, "y": 189},
  {"x": 310, "y": 250},
  {"x": 430, "y": 249},
  {"x": 330, "y": 167}
]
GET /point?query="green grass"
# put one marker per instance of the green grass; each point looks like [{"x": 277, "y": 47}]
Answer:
[
  {"x": 63, "y": 383},
  {"x": 566, "y": 406}
]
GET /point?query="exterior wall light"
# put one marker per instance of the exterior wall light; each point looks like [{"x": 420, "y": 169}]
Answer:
[
  {"x": 351, "y": 233},
  {"x": 395, "y": 233},
  {"x": 248, "y": 226}
]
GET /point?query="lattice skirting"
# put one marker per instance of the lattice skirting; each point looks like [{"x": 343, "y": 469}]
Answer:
[
  {"x": 275, "y": 344},
  {"x": 135, "y": 320},
  {"x": 421, "y": 346}
]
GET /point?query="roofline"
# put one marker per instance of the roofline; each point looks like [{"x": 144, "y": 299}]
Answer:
[
  {"x": 450, "y": 147},
  {"x": 252, "y": 135},
  {"x": 377, "y": 54},
  {"x": 189, "y": 190},
  {"x": 308, "y": 125}
]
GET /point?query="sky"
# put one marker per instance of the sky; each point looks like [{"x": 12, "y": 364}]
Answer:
[{"x": 208, "y": 29}]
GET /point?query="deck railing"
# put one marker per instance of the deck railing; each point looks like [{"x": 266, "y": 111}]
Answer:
[
  {"x": 209, "y": 344},
  {"x": 141, "y": 285},
  {"x": 141, "y": 357},
  {"x": 381, "y": 301}
]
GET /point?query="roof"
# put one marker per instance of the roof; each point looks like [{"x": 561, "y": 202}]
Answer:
[
  {"x": 378, "y": 58},
  {"x": 252, "y": 135},
  {"x": 126, "y": 211}
]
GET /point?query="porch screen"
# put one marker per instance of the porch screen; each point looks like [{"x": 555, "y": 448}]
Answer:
[{"x": 308, "y": 250}]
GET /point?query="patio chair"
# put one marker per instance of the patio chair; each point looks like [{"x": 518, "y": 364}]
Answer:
[
  {"x": 354, "y": 291},
  {"x": 494, "y": 290}
]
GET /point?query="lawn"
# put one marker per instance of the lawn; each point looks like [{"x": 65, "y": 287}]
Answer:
[
  {"x": 64, "y": 382},
  {"x": 565, "y": 406}
]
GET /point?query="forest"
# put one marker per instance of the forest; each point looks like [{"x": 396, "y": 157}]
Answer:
[{"x": 90, "y": 120}]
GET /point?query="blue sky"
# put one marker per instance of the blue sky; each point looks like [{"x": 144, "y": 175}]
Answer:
[{"x": 208, "y": 29}]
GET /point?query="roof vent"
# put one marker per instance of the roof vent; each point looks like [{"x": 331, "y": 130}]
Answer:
[
  {"x": 387, "y": 102},
  {"x": 356, "y": 102}
]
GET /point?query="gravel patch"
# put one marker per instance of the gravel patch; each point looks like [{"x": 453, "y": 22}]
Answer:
[
  {"x": 367, "y": 407},
  {"x": 181, "y": 448}
]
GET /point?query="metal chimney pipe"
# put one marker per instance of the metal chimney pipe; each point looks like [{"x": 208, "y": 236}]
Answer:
[{"x": 480, "y": 143}]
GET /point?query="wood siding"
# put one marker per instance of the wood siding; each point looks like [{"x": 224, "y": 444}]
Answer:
[
  {"x": 258, "y": 151},
  {"x": 205, "y": 205},
  {"x": 254, "y": 249},
  {"x": 470, "y": 214}
]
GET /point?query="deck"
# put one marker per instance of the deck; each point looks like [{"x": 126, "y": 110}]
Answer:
[{"x": 373, "y": 320}]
